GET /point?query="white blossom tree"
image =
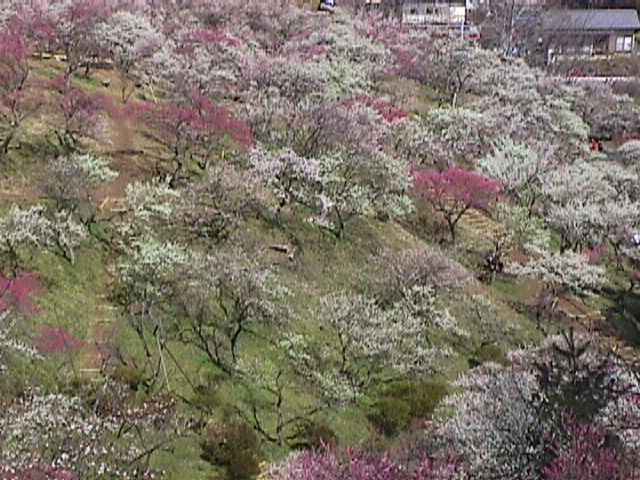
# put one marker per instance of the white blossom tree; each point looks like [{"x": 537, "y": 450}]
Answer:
[
  {"x": 505, "y": 416},
  {"x": 291, "y": 178},
  {"x": 522, "y": 228},
  {"x": 630, "y": 152},
  {"x": 129, "y": 39},
  {"x": 568, "y": 270},
  {"x": 226, "y": 297},
  {"x": 148, "y": 205},
  {"x": 495, "y": 424},
  {"x": 519, "y": 169},
  {"x": 148, "y": 272},
  {"x": 589, "y": 201},
  {"x": 71, "y": 182},
  {"x": 458, "y": 134},
  {"x": 364, "y": 340},
  {"x": 212, "y": 210},
  {"x": 37, "y": 228},
  {"x": 336, "y": 187},
  {"x": 58, "y": 433}
]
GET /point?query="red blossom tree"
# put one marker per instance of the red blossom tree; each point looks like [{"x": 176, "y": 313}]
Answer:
[
  {"x": 17, "y": 292},
  {"x": 54, "y": 340},
  {"x": 453, "y": 191},
  {"x": 194, "y": 130},
  {"x": 587, "y": 456},
  {"x": 17, "y": 100}
]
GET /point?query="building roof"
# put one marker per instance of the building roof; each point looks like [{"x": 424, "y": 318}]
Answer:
[{"x": 595, "y": 19}]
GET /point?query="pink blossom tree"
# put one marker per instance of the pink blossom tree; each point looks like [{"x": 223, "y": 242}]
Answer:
[
  {"x": 453, "y": 191},
  {"x": 53, "y": 340},
  {"x": 586, "y": 455},
  {"x": 73, "y": 114},
  {"x": 68, "y": 27},
  {"x": 16, "y": 93},
  {"x": 58, "y": 343},
  {"x": 330, "y": 464},
  {"x": 17, "y": 291},
  {"x": 193, "y": 131}
]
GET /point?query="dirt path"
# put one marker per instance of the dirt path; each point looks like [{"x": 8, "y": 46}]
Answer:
[
  {"x": 122, "y": 160},
  {"x": 98, "y": 348}
]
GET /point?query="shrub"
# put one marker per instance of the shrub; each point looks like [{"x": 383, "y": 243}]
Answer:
[
  {"x": 314, "y": 435},
  {"x": 234, "y": 446},
  {"x": 630, "y": 151},
  {"x": 399, "y": 404}
]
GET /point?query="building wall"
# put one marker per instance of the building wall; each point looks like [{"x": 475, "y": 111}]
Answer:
[
  {"x": 434, "y": 12},
  {"x": 613, "y": 41}
]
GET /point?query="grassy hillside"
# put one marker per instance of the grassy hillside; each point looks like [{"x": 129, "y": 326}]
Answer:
[{"x": 214, "y": 304}]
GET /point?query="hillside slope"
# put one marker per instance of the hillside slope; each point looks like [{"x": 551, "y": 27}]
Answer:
[{"x": 251, "y": 232}]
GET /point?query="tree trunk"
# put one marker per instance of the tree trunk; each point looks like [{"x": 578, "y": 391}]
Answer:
[
  {"x": 4, "y": 148},
  {"x": 340, "y": 230},
  {"x": 452, "y": 229}
]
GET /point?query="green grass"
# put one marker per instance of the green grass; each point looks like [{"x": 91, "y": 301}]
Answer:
[
  {"x": 183, "y": 462},
  {"x": 73, "y": 292}
]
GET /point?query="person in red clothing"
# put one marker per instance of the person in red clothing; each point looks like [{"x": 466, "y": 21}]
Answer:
[{"x": 595, "y": 145}]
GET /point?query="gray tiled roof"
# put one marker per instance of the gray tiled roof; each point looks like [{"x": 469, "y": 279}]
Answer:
[{"x": 596, "y": 19}]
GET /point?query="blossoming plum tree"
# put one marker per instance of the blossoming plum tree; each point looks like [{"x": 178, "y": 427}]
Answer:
[
  {"x": 589, "y": 201},
  {"x": 193, "y": 130},
  {"x": 74, "y": 115},
  {"x": 70, "y": 182},
  {"x": 506, "y": 417},
  {"x": 330, "y": 464},
  {"x": 128, "y": 38},
  {"x": 453, "y": 191},
  {"x": 229, "y": 296},
  {"x": 519, "y": 168},
  {"x": 36, "y": 228},
  {"x": 17, "y": 95}
]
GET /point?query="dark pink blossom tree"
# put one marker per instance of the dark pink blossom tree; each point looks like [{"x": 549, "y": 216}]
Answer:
[
  {"x": 453, "y": 191},
  {"x": 54, "y": 340},
  {"x": 385, "y": 108},
  {"x": 586, "y": 455},
  {"x": 17, "y": 292},
  {"x": 328, "y": 464},
  {"x": 194, "y": 130}
]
